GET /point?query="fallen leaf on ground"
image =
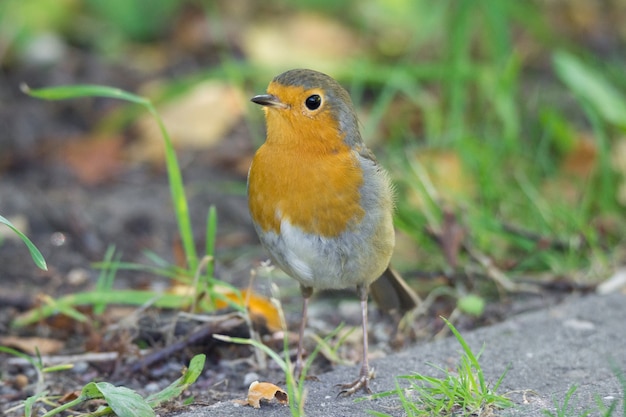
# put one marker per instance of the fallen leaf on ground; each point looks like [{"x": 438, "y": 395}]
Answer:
[
  {"x": 264, "y": 391},
  {"x": 580, "y": 161},
  {"x": 262, "y": 311},
  {"x": 198, "y": 120},
  {"x": 93, "y": 159},
  {"x": 31, "y": 345},
  {"x": 577, "y": 166},
  {"x": 69, "y": 396}
]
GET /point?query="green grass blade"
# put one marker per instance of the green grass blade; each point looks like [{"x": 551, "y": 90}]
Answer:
[
  {"x": 196, "y": 366},
  {"x": 169, "y": 271},
  {"x": 31, "y": 401},
  {"x": 19, "y": 354},
  {"x": 66, "y": 305},
  {"x": 211, "y": 234},
  {"x": 34, "y": 252},
  {"x": 106, "y": 277},
  {"x": 177, "y": 190},
  {"x": 173, "y": 169},
  {"x": 83, "y": 90},
  {"x": 590, "y": 86},
  {"x": 459, "y": 65},
  {"x": 470, "y": 355}
]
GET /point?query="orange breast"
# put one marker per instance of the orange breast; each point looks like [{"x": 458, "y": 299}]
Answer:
[{"x": 315, "y": 190}]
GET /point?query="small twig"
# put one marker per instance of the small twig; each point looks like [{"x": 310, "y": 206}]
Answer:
[
  {"x": 496, "y": 274},
  {"x": 449, "y": 236},
  {"x": 228, "y": 321},
  {"x": 63, "y": 359},
  {"x": 542, "y": 241}
]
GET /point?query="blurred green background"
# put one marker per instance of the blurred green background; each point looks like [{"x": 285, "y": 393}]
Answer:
[{"x": 502, "y": 122}]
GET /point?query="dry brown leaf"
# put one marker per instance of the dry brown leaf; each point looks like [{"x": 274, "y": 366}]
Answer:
[
  {"x": 265, "y": 391},
  {"x": 69, "y": 396},
  {"x": 31, "y": 345},
  {"x": 578, "y": 164},
  {"x": 618, "y": 160},
  {"x": 199, "y": 119},
  {"x": 580, "y": 161},
  {"x": 93, "y": 159},
  {"x": 303, "y": 40},
  {"x": 576, "y": 18}
]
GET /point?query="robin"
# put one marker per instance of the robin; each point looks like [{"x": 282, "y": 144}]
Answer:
[{"x": 320, "y": 202}]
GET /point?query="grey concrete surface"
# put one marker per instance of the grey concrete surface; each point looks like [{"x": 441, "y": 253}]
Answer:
[{"x": 546, "y": 352}]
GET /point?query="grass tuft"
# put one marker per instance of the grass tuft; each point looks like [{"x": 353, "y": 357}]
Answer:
[{"x": 462, "y": 392}]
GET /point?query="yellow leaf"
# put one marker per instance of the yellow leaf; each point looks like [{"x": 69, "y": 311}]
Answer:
[
  {"x": 260, "y": 308},
  {"x": 265, "y": 391},
  {"x": 262, "y": 311}
]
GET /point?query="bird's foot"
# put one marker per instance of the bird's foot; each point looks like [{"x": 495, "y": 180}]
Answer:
[{"x": 362, "y": 383}]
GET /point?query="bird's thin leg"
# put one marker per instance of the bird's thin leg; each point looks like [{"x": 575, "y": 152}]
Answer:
[
  {"x": 306, "y": 295},
  {"x": 365, "y": 365},
  {"x": 366, "y": 374}
]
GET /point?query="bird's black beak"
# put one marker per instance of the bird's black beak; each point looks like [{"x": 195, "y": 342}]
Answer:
[{"x": 268, "y": 100}]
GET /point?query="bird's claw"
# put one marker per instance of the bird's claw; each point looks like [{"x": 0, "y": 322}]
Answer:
[{"x": 361, "y": 383}]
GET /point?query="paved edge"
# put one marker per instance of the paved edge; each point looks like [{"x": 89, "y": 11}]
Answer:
[{"x": 546, "y": 353}]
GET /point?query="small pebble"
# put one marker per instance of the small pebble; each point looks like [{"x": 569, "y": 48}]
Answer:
[
  {"x": 77, "y": 276},
  {"x": 152, "y": 387},
  {"x": 80, "y": 367},
  {"x": 579, "y": 324},
  {"x": 250, "y": 377},
  {"x": 44, "y": 49},
  {"x": 20, "y": 381},
  {"x": 58, "y": 239}
]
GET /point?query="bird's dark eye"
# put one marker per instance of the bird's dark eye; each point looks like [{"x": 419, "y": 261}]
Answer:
[{"x": 313, "y": 102}]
